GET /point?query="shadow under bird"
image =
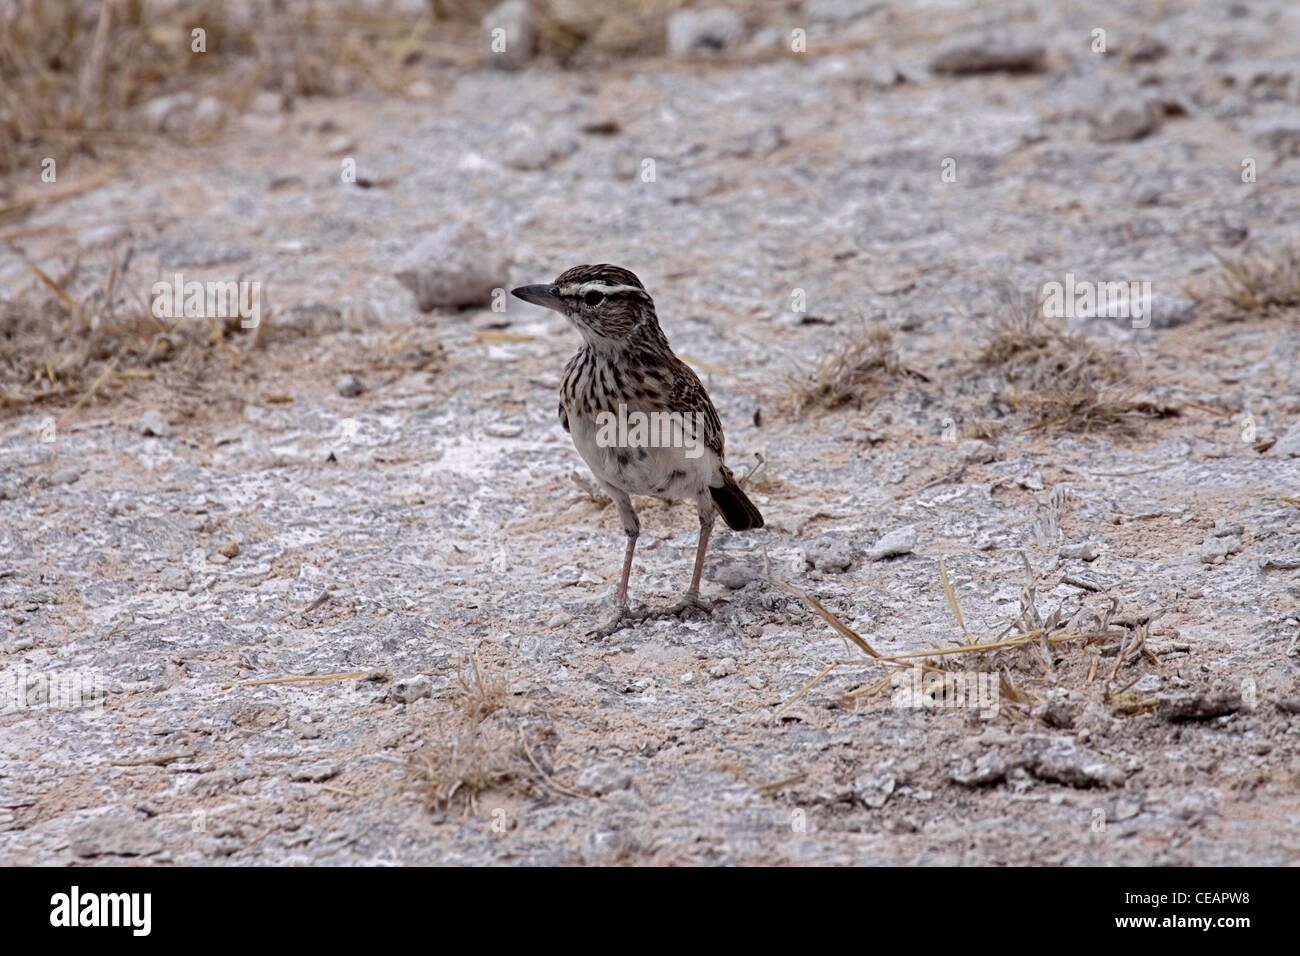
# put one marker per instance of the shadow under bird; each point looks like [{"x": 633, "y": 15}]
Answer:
[{"x": 639, "y": 417}]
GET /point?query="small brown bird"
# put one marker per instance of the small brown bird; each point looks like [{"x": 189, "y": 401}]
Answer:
[{"x": 638, "y": 415}]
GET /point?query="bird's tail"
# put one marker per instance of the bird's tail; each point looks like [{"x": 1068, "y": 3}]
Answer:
[{"x": 737, "y": 510}]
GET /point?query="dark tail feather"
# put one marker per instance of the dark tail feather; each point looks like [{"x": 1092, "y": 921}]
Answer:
[{"x": 737, "y": 510}]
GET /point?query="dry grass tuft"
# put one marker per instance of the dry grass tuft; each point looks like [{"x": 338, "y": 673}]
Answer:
[
  {"x": 74, "y": 75},
  {"x": 74, "y": 333},
  {"x": 1030, "y": 654},
  {"x": 66, "y": 336},
  {"x": 1256, "y": 285},
  {"x": 852, "y": 373},
  {"x": 1056, "y": 378},
  {"x": 484, "y": 742},
  {"x": 981, "y": 428}
]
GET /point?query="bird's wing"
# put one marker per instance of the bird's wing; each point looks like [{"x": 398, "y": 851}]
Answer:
[{"x": 687, "y": 395}]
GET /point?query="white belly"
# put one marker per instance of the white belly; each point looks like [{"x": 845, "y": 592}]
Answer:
[{"x": 663, "y": 460}]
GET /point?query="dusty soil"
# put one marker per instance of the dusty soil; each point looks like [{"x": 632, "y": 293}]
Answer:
[{"x": 432, "y": 533}]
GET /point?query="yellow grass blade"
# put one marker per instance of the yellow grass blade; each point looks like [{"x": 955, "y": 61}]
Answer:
[
  {"x": 952, "y": 600},
  {"x": 826, "y": 615},
  {"x": 803, "y": 690}
]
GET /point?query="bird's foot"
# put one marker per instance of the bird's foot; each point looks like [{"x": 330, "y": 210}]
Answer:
[
  {"x": 623, "y": 617},
  {"x": 689, "y": 603}
]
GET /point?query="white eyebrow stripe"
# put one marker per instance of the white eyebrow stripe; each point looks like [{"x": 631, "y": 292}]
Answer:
[{"x": 582, "y": 288}]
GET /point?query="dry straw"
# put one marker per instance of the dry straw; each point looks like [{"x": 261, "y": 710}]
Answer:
[{"x": 1031, "y": 633}]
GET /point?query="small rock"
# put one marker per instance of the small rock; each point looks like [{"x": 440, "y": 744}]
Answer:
[
  {"x": 1181, "y": 706},
  {"x": 1166, "y": 312},
  {"x": 230, "y": 549},
  {"x": 114, "y": 836},
  {"x": 1124, "y": 119},
  {"x": 603, "y": 778},
  {"x": 1085, "y": 551},
  {"x": 509, "y": 35},
  {"x": 975, "y": 451},
  {"x": 723, "y": 668},
  {"x": 1127, "y": 807},
  {"x": 68, "y": 475},
  {"x": 341, "y": 145},
  {"x": 457, "y": 265},
  {"x": 1146, "y": 192},
  {"x": 1149, "y": 684},
  {"x": 875, "y": 789},
  {"x": 990, "y": 767},
  {"x": 174, "y": 579},
  {"x": 899, "y": 541},
  {"x": 560, "y": 619},
  {"x": 503, "y": 430},
  {"x": 1288, "y": 446},
  {"x": 316, "y": 772},
  {"x": 408, "y": 689},
  {"x": 1057, "y": 711},
  {"x": 170, "y": 113},
  {"x": 988, "y": 54},
  {"x": 1032, "y": 481},
  {"x": 704, "y": 31},
  {"x": 152, "y": 423},
  {"x": 529, "y": 150},
  {"x": 608, "y": 846},
  {"x": 1215, "y": 550},
  {"x": 1059, "y": 760},
  {"x": 830, "y": 554},
  {"x": 1224, "y": 528},
  {"x": 731, "y": 574},
  {"x": 1190, "y": 809},
  {"x": 349, "y": 386}
]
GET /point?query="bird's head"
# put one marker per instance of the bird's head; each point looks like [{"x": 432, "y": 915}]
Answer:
[{"x": 608, "y": 305}]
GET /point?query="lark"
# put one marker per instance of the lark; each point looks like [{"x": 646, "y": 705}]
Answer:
[{"x": 639, "y": 417}]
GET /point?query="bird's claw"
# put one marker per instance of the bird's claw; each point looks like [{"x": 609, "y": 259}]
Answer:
[
  {"x": 692, "y": 602},
  {"x": 623, "y": 616}
]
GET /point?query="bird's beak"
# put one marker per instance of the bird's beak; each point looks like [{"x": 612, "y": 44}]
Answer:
[{"x": 539, "y": 295}]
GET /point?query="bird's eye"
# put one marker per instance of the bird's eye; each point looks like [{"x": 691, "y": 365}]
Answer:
[{"x": 593, "y": 297}]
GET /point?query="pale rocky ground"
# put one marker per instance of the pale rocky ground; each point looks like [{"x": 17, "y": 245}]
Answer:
[{"x": 449, "y": 524}]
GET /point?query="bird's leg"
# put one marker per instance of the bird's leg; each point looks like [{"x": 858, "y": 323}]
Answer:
[
  {"x": 693, "y": 593},
  {"x": 627, "y": 569},
  {"x": 691, "y": 599},
  {"x": 632, "y": 527}
]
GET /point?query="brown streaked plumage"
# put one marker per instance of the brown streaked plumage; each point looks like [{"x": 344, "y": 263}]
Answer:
[{"x": 627, "y": 368}]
